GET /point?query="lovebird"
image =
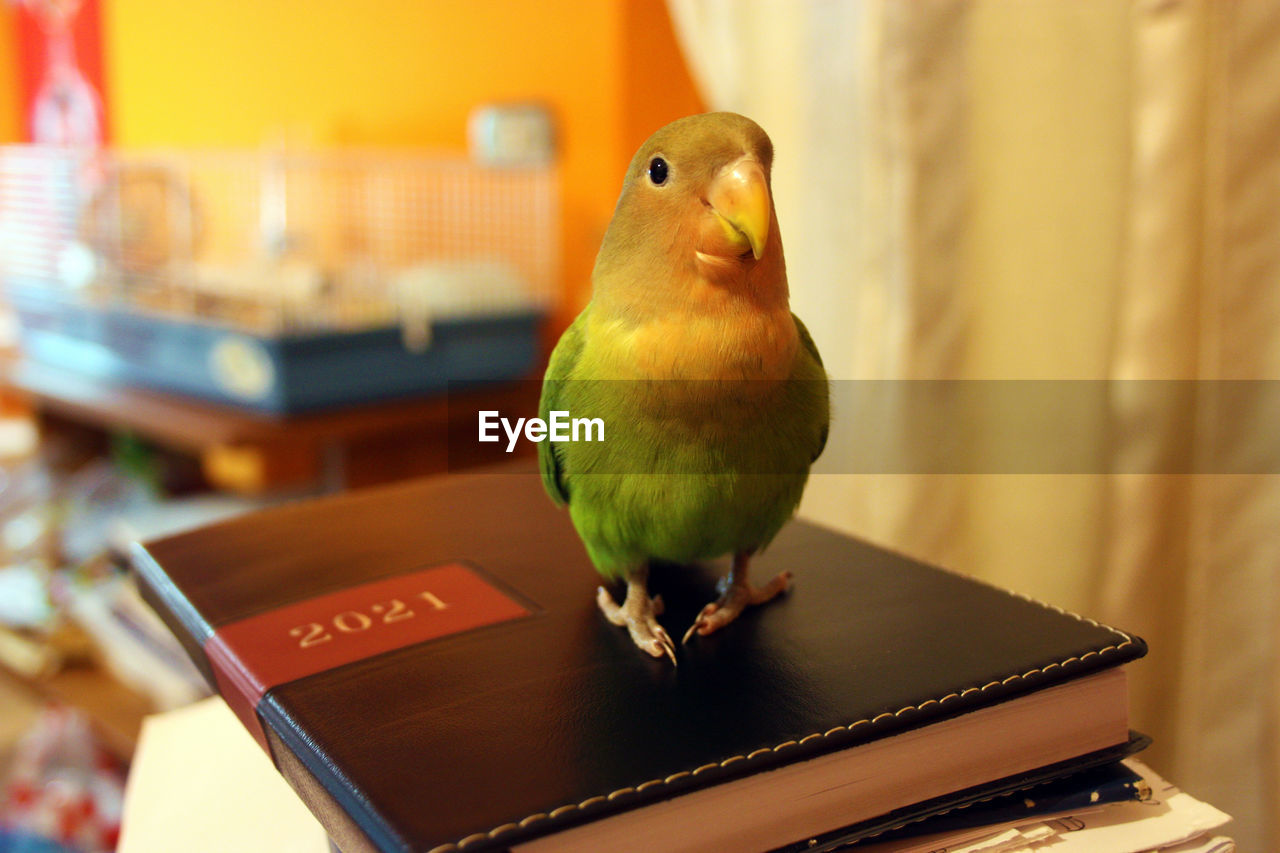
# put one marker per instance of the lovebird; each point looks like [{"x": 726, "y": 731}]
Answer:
[{"x": 713, "y": 396}]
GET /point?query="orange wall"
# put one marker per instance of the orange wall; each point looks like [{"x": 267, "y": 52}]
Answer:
[
  {"x": 403, "y": 73},
  {"x": 10, "y": 125},
  {"x": 656, "y": 83}
]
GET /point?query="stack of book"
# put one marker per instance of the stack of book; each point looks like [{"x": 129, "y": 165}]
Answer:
[
  {"x": 1117, "y": 808},
  {"x": 425, "y": 665}
]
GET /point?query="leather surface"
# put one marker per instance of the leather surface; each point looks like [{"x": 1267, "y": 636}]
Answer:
[
  {"x": 430, "y": 744},
  {"x": 320, "y": 633}
]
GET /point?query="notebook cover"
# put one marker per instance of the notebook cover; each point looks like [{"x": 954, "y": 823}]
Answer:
[{"x": 530, "y": 713}]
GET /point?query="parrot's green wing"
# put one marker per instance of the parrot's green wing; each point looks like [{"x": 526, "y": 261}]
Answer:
[
  {"x": 563, "y": 358},
  {"x": 806, "y": 340}
]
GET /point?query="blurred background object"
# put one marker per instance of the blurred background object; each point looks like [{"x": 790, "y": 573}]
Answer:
[
  {"x": 278, "y": 280},
  {"x": 64, "y": 793},
  {"x": 62, "y": 81},
  {"x": 511, "y": 135}
]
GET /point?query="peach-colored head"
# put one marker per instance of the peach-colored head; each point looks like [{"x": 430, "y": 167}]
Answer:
[{"x": 694, "y": 228}]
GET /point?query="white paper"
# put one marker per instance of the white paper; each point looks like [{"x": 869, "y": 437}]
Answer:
[
  {"x": 1217, "y": 844},
  {"x": 1170, "y": 817},
  {"x": 1016, "y": 838},
  {"x": 200, "y": 784}
]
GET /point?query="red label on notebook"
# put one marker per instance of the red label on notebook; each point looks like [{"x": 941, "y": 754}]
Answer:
[{"x": 251, "y": 656}]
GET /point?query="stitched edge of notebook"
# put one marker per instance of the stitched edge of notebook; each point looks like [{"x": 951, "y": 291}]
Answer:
[{"x": 630, "y": 791}]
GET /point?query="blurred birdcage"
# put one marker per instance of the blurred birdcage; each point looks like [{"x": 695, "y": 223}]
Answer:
[{"x": 235, "y": 274}]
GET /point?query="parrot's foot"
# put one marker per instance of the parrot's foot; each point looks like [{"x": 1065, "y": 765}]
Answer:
[
  {"x": 738, "y": 594},
  {"x": 639, "y": 615}
]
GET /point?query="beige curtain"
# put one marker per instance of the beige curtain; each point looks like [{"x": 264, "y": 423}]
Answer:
[
  {"x": 1054, "y": 190},
  {"x": 1194, "y": 561}
]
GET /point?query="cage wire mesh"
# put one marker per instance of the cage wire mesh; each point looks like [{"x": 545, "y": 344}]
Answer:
[{"x": 277, "y": 242}]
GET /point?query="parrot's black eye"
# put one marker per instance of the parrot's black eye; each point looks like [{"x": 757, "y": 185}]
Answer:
[{"x": 658, "y": 171}]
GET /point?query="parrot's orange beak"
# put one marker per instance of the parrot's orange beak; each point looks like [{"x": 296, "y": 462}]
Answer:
[{"x": 739, "y": 197}]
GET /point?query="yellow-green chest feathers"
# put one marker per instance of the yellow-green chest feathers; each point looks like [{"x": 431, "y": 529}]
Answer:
[{"x": 746, "y": 345}]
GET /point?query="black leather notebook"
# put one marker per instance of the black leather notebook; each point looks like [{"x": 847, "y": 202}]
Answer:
[{"x": 427, "y": 667}]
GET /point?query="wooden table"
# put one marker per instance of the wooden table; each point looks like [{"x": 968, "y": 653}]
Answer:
[
  {"x": 248, "y": 452},
  {"x": 114, "y": 710}
]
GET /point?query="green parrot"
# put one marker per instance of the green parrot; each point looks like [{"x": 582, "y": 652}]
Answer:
[{"x": 712, "y": 393}]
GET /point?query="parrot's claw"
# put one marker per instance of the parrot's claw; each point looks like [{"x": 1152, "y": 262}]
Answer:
[
  {"x": 639, "y": 615},
  {"x": 737, "y": 596}
]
